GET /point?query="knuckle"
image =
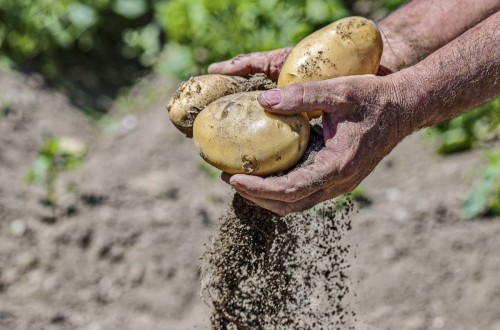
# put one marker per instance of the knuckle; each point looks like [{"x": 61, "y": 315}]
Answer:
[
  {"x": 350, "y": 169},
  {"x": 294, "y": 96},
  {"x": 282, "y": 212},
  {"x": 287, "y": 209},
  {"x": 291, "y": 194}
]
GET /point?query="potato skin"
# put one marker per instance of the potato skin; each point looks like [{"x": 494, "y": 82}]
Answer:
[
  {"x": 195, "y": 94},
  {"x": 236, "y": 135},
  {"x": 349, "y": 46}
]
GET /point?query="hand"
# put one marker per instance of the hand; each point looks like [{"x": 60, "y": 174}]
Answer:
[
  {"x": 269, "y": 63},
  {"x": 361, "y": 126}
]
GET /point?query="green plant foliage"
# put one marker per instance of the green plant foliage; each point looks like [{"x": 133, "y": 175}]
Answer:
[
  {"x": 391, "y": 4},
  {"x": 485, "y": 199},
  {"x": 204, "y": 31},
  {"x": 56, "y": 155},
  {"x": 466, "y": 131},
  {"x": 211, "y": 171},
  {"x": 469, "y": 131},
  {"x": 88, "y": 48},
  {"x": 31, "y": 28}
]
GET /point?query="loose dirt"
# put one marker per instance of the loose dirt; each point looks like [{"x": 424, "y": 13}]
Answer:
[{"x": 267, "y": 272}]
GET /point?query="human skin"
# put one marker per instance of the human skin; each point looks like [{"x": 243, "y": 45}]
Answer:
[
  {"x": 365, "y": 117},
  {"x": 420, "y": 27}
]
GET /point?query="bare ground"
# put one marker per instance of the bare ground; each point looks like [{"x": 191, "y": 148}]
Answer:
[{"x": 124, "y": 252}]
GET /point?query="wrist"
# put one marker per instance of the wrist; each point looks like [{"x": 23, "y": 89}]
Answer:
[{"x": 405, "y": 101}]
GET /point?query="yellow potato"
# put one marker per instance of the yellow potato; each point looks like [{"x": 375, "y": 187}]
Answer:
[
  {"x": 195, "y": 94},
  {"x": 350, "y": 46},
  {"x": 236, "y": 135}
]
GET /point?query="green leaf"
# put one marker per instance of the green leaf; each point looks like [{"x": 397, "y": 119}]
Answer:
[
  {"x": 81, "y": 15},
  {"x": 455, "y": 140},
  {"x": 217, "y": 30},
  {"x": 177, "y": 60},
  {"x": 39, "y": 169},
  {"x": 486, "y": 197},
  {"x": 470, "y": 129},
  {"x": 50, "y": 148},
  {"x": 130, "y": 9}
]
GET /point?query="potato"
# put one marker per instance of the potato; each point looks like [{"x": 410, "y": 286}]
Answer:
[
  {"x": 349, "y": 46},
  {"x": 195, "y": 94},
  {"x": 236, "y": 135}
]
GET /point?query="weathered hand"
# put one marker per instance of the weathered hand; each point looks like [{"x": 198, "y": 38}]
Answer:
[
  {"x": 364, "y": 117},
  {"x": 269, "y": 63},
  {"x": 360, "y": 126}
]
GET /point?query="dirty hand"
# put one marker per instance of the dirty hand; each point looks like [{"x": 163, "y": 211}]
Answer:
[
  {"x": 361, "y": 126},
  {"x": 269, "y": 63}
]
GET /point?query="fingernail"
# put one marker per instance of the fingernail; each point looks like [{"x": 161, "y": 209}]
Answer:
[
  {"x": 235, "y": 184},
  {"x": 272, "y": 97}
]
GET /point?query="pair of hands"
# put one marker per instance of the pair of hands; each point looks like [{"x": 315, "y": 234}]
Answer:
[{"x": 361, "y": 125}]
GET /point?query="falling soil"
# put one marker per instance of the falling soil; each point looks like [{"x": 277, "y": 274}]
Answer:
[{"x": 263, "y": 271}]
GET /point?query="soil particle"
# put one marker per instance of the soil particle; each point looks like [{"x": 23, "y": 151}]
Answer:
[{"x": 263, "y": 271}]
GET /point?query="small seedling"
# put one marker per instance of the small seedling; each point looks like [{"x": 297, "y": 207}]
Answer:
[
  {"x": 211, "y": 172},
  {"x": 56, "y": 155},
  {"x": 358, "y": 196},
  {"x": 485, "y": 199}
]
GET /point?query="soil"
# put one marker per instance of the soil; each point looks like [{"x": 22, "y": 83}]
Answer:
[
  {"x": 125, "y": 249},
  {"x": 263, "y": 271}
]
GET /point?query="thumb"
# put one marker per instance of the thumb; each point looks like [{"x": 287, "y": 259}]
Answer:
[{"x": 326, "y": 95}]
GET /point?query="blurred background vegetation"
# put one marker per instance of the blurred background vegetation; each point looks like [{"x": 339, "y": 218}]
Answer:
[{"x": 93, "y": 49}]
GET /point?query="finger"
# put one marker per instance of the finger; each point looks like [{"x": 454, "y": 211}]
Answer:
[
  {"x": 278, "y": 207},
  {"x": 298, "y": 184},
  {"x": 333, "y": 165},
  {"x": 269, "y": 63},
  {"x": 284, "y": 208},
  {"x": 242, "y": 65},
  {"x": 327, "y": 95}
]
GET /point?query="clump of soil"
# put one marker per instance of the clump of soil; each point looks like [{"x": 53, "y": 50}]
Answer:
[
  {"x": 315, "y": 144},
  {"x": 257, "y": 82},
  {"x": 263, "y": 271}
]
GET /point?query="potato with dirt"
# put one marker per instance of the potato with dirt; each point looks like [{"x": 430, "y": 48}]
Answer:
[
  {"x": 236, "y": 135},
  {"x": 349, "y": 46},
  {"x": 196, "y": 93}
]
